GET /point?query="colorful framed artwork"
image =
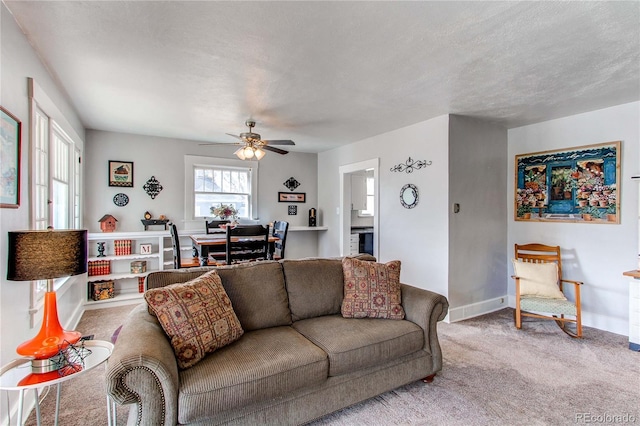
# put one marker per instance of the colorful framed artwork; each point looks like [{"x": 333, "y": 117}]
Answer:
[
  {"x": 580, "y": 184},
  {"x": 121, "y": 173},
  {"x": 10, "y": 141},
  {"x": 292, "y": 197}
]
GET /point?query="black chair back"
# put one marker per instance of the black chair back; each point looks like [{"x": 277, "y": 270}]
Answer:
[
  {"x": 210, "y": 225},
  {"x": 175, "y": 244},
  {"x": 252, "y": 243},
  {"x": 280, "y": 230}
]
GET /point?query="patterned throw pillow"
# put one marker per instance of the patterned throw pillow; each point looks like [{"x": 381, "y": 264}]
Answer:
[
  {"x": 371, "y": 290},
  {"x": 196, "y": 315}
]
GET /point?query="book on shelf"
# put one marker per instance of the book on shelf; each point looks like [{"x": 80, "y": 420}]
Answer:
[
  {"x": 99, "y": 267},
  {"x": 122, "y": 247}
]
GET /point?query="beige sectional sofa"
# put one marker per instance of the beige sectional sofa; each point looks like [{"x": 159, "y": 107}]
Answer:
[{"x": 298, "y": 359}]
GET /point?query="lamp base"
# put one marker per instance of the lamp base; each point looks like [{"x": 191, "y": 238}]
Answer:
[{"x": 52, "y": 337}]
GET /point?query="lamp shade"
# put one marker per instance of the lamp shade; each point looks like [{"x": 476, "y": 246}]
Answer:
[{"x": 39, "y": 255}]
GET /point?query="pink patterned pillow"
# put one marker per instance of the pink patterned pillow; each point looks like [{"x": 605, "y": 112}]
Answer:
[
  {"x": 371, "y": 290},
  {"x": 196, "y": 315}
]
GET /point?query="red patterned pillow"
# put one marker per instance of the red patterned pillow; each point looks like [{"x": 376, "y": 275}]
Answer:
[
  {"x": 371, "y": 290},
  {"x": 196, "y": 315}
]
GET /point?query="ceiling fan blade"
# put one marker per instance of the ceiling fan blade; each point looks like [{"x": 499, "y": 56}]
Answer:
[
  {"x": 235, "y": 136},
  {"x": 219, "y": 143},
  {"x": 273, "y": 149},
  {"x": 280, "y": 142}
]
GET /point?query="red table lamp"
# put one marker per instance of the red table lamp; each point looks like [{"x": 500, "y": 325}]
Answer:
[{"x": 40, "y": 255}]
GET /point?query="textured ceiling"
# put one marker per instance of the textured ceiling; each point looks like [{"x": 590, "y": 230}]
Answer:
[{"x": 329, "y": 73}]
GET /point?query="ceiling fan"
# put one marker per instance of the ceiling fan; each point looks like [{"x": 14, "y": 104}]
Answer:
[{"x": 252, "y": 145}]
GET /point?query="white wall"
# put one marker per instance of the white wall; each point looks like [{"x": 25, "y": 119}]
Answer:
[
  {"x": 478, "y": 233},
  {"x": 598, "y": 253},
  {"x": 164, "y": 159},
  {"x": 18, "y": 62},
  {"x": 419, "y": 236}
]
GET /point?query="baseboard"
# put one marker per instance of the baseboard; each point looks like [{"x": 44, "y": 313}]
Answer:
[{"x": 476, "y": 309}]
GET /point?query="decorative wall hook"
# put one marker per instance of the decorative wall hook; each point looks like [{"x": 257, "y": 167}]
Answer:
[
  {"x": 152, "y": 187},
  {"x": 410, "y": 165},
  {"x": 291, "y": 183}
]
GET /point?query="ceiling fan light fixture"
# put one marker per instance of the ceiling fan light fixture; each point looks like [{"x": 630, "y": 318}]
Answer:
[
  {"x": 248, "y": 152},
  {"x": 240, "y": 153},
  {"x": 259, "y": 153}
]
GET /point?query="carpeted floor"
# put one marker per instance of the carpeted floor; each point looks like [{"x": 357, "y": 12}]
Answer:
[{"x": 493, "y": 374}]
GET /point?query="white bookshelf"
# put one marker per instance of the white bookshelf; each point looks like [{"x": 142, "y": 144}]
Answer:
[{"x": 126, "y": 289}]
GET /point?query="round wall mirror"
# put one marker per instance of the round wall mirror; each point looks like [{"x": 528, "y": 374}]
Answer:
[{"x": 409, "y": 196}]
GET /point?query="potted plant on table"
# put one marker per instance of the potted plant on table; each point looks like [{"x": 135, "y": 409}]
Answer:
[{"x": 225, "y": 212}]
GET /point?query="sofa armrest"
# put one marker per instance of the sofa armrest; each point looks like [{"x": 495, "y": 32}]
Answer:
[
  {"x": 143, "y": 370},
  {"x": 425, "y": 308}
]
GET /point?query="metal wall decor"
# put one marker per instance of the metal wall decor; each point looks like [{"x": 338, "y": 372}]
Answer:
[
  {"x": 152, "y": 187},
  {"x": 121, "y": 199},
  {"x": 293, "y": 210},
  {"x": 291, "y": 183},
  {"x": 410, "y": 165},
  {"x": 409, "y": 196}
]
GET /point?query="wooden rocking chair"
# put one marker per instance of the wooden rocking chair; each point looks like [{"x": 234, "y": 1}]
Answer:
[{"x": 535, "y": 281}]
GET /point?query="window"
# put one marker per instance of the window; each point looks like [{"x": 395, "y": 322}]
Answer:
[
  {"x": 370, "y": 199},
  {"x": 220, "y": 185},
  {"x": 56, "y": 174},
  {"x": 211, "y": 181}
]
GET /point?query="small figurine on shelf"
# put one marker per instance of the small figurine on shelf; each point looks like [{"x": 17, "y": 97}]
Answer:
[
  {"x": 101, "y": 249},
  {"x": 147, "y": 215}
]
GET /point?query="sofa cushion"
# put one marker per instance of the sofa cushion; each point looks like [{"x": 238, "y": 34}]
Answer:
[
  {"x": 315, "y": 286},
  {"x": 252, "y": 369},
  {"x": 196, "y": 315},
  {"x": 371, "y": 290},
  {"x": 354, "y": 344},
  {"x": 258, "y": 294}
]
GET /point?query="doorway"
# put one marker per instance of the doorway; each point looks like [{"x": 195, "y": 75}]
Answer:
[{"x": 361, "y": 174}]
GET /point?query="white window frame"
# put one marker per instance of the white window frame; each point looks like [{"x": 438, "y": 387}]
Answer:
[
  {"x": 44, "y": 112},
  {"x": 193, "y": 161}
]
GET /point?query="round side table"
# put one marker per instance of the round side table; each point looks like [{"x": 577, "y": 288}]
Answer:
[{"x": 17, "y": 376}]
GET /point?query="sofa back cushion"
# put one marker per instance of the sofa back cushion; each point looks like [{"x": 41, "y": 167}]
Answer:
[
  {"x": 257, "y": 292},
  {"x": 315, "y": 286}
]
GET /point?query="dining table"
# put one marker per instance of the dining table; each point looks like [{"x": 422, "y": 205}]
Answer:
[{"x": 206, "y": 243}]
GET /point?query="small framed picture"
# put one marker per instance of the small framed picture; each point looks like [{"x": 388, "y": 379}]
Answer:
[
  {"x": 292, "y": 197},
  {"x": 145, "y": 248},
  {"x": 121, "y": 173},
  {"x": 10, "y": 136}
]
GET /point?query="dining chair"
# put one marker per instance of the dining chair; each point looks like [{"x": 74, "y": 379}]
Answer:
[
  {"x": 247, "y": 242},
  {"x": 280, "y": 230},
  {"x": 216, "y": 252},
  {"x": 178, "y": 261},
  {"x": 539, "y": 288},
  {"x": 210, "y": 225}
]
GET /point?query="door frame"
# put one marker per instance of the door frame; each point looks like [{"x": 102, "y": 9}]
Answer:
[{"x": 345, "y": 202}]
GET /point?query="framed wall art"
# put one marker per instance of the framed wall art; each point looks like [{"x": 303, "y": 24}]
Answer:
[
  {"x": 10, "y": 141},
  {"x": 121, "y": 173},
  {"x": 580, "y": 184},
  {"x": 292, "y": 197}
]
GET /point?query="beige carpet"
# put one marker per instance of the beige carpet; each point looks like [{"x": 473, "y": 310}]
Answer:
[{"x": 492, "y": 375}]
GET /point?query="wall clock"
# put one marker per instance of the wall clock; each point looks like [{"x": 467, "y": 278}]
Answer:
[{"x": 121, "y": 200}]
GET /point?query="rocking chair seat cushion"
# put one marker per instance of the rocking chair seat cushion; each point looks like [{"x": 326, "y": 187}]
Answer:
[
  {"x": 538, "y": 279},
  {"x": 552, "y": 306}
]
